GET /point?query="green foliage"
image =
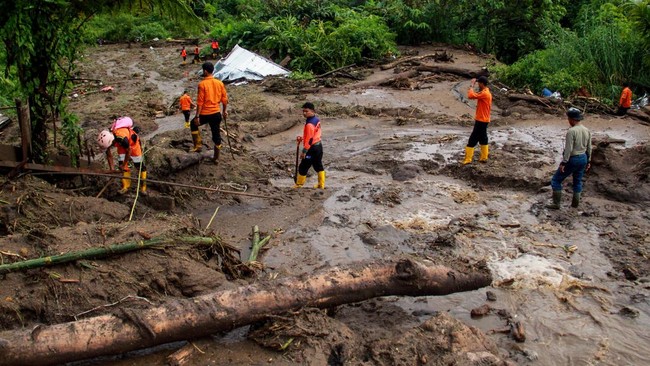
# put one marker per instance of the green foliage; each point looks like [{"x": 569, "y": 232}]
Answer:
[
  {"x": 125, "y": 27},
  {"x": 301, "y": 75},
  {"x": 71, "y": 130}
]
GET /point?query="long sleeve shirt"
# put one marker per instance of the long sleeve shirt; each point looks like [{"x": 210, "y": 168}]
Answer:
[
  {"x": 483, "y": 105},
  {"x": 311, "y": 133},
  {"x": 578, "y": 141},
  {"x": 626, "y": 98},
  {"x": 211, "y": 91}
]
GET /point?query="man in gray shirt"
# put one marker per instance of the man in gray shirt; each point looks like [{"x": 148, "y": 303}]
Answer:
[{"x": 575, "y": 159}]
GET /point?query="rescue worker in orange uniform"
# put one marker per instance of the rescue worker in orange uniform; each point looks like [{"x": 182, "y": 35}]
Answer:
[
  {"x": 186, "y": 104},
  {"x": 128, "y": 145},
  {"x": 215, "y": 48},
  {"x": 312, "y": 151},
  {"x": 481, "y": 120},
  {"x": 197, "y": 57},
  {"x": 184, "y": 55},
  {"x": 211, "y": 92},
  {"x": 625, "y": 102}
]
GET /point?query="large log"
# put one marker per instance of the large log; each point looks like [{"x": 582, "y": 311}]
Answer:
[
  {"x": 222, "y": 311},
  {"x": 468, "y": 73},
  {"x": 534, "y": 99}
]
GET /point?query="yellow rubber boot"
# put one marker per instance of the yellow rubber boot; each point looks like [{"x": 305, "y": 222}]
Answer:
[
  {"x": 300, "y": 181},
  {"x": 143, "y": 182},
  {"x": 321, "y": 180},
  {"x": 485, "y": 151},
  {"x": 469, "y": 155},
  {"x": 198, "y": 142},
  {"x": 126, "y": 182}
]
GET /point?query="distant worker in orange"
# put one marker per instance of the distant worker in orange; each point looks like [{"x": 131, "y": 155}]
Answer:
[
  {"x": 184, "y": 55},
  {"x": 625, "y": 102},
  {"x": 481, "y": 120},
  {"x": 186, "y": 104},
  {"x": 197, "y": 57},
  {"x": 211, "y": 92},
  {"x": 312, "y": 151},
  {"x": 128, "y": 145},
  {"x": 215, "y": 48}
]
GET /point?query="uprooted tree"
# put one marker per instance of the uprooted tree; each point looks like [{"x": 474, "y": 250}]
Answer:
[{"x": 128, "y": 330}]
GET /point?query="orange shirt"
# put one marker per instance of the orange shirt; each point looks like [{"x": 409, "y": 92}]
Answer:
[
  {"x": 483, "y": 105},
  {"x": 183, "y": 53},
  {"x": 626, "y": 98},
  {"x": 196, "y": 50},
  {"x": 211, "y": 92},
  {"x": 185, "y": 102},
  {"x": 311, "y": 133}
]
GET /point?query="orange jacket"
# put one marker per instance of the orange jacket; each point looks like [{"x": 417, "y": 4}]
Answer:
[
  {"x": 483, "y": 105},
  {"x": 626, "y": 98},
  {"x": 124, "y": 136},
  {"x": 211, "y": 92},
  {"x": 215, "y": 45},
  {"x": 185, "y": 102},
  {"x": 311, "y": 133},
  {"x": 183, "y": 53},
  {"x": 196, "y": 50}
]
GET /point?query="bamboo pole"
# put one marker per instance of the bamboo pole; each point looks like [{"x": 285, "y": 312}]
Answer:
[
  {"x": 101, "y": 252},
  {"x": 256, "y": 248},
  {"x": 182, "y": 319},
  {"x": 115, "y": 176}
]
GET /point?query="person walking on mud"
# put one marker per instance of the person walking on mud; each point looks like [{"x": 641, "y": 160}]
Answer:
[
  {"x": 576, "y": 159},
  {"x": 184, "y": 55},
  {"x": 625, "y": 101},
  {"x": 211, "y": 92},
  {"x": 481, "y": 120},
  {"x": 312, "y": 151},
  {"x": 186, "y": 104},
  {"x": 129, "y": 147}
]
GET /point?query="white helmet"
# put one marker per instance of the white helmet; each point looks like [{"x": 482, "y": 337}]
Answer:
[{"x": 105, "y": 139}]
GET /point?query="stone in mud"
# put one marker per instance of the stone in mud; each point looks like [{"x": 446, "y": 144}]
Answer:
[
  {"x": 630, "y": 274},
  {"x": 491, "y": 296},
  {"x": 629, "y": 312},
  {"x": 480, "y": 311},
  {"x": 386, "y": 235}
]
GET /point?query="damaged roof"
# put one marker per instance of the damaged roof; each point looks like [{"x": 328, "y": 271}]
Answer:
[{"x": 244, "y": 64}]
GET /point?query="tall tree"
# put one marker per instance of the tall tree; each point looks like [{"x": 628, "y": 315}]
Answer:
[{"x": 42, "y": 39}]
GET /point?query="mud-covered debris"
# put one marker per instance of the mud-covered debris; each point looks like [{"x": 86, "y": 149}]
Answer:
[
  {"x": 480, "y": 311},
  {"x": 491, "y": 296},
  {"x": 629, "y": 312}
]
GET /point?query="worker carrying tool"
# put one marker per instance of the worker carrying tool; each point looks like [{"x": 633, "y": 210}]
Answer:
[
  {"x": 481, "y": 120},
  {"x": 576, "y": 159},
  {"x": 123, "y": 136},
  {"x": 312, "y": 151}
]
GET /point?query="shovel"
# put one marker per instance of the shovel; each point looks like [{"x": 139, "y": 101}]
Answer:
[
  {"x": 295, "y": 176},
  {"x": 225, "y": 125}
]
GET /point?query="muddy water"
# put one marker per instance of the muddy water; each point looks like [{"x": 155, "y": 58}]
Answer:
[{"x": 569, "y": 305}]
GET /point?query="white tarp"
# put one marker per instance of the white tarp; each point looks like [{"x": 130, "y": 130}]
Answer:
[{"x": 244, "y": 64}]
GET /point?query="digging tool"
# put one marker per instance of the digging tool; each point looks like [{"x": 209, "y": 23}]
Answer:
[
  {"x": 225, "y": 125},
  {"x": 295, "y": 175}
]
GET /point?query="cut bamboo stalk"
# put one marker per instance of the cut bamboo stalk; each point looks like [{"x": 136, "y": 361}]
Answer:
[
  {"x": 256, "y": 248},
  {"x": 101, "y": 252}
]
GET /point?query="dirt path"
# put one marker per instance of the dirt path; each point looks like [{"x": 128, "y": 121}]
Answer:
[{"x": 394, "y": 187}]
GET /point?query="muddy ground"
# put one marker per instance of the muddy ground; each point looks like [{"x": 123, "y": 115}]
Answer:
[{"x": 394, "y": 187}]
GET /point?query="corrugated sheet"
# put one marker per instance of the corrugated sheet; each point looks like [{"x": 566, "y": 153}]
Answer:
[{"x": 244, "y": 64}]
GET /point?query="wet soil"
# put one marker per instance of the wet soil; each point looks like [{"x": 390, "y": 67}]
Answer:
[{"x": 394, "y": 187}]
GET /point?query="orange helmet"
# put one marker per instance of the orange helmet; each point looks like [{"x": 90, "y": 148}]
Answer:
[{"x": 105, "y": 139}]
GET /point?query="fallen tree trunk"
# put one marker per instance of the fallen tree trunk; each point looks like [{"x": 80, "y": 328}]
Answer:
[
  {"x": 639, "y": 114},
  {"x": 454, "y": 70},
  {"x": 444, "y": 57},
  {"x": 225, "y": 310},
  {"x": 533, "y": 99}
]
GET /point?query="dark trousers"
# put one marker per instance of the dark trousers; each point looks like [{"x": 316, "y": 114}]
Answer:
[
  {"x": 479, "y": 134},
  {"x": 622, "y": 111},
  {"x": 214, "y": 120},
  {"x": 186, "y": 114},
  {"x": 314, "y": 157}
]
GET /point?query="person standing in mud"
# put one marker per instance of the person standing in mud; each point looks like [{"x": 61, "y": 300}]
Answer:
[
  {"x": 184, "y": 55},
  {"x": 197, "y": 57},
  {"x": 186, "y": 104},
  {"x": 312, "y": 151},
  {"x": 576, "y": 159},
  {"x": 481, "y": 120},
  {"x": 215, "y": 48},
  {"x": 625, "y": 101},
  {"x": 211, "y": 92}
]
